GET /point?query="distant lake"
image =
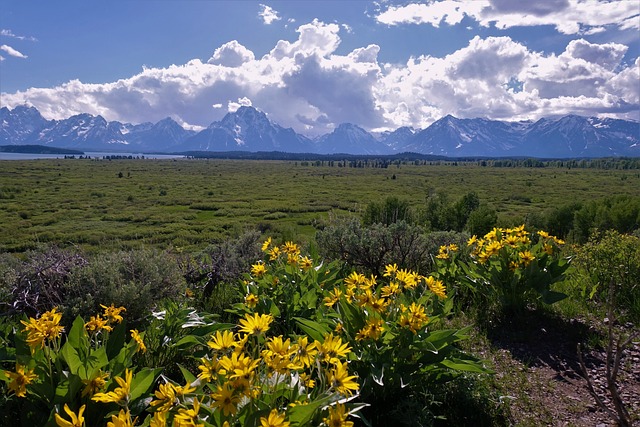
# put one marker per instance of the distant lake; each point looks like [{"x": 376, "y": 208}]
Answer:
[{"x": 93, "y": 155}]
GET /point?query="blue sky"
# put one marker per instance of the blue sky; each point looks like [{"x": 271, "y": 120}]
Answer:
[{"x": 312, "y": 65}]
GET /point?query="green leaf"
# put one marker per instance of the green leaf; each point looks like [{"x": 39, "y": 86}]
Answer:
[
  {"x": 188, "y": 376},
  {"x": 142, "y": 382},
  {"x": 186, "y": 342},
  {"x": 97, "y": 359},
  {"x": 352, "y": 318},
  {"x": 550, "y": 297},
  {"x": 72, "y": 358},
  {"x": 302, "y": 415},
  {"x": 464, "y": 365},
  {"x": 77, "y": 336},
  {"x": 202, "y": 331},
  {"x": 274, "y": 310},
  {"x": 116, "y": 340},
  {"x": 315, "y": 330}
]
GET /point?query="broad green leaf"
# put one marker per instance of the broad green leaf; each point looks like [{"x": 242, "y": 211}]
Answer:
[
  {"x": 464, "y": 365},
  {"x": 302, "y": 415},
  {"x": 71, "y": 357},
  {"x": 314, "y": 329},
  {"x": 188, "y": 376},
  {"x": 142, "y": 382},
  {"x": 274, "y": 310},
  {"x": 352, "y": 318},
  {"x": 77, "y": 336},
  {"x": 116, "y": 340},
  {"x": 550, "y": 297}
]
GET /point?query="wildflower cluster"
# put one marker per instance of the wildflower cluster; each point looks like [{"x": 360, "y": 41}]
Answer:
[
  {"x": 86, "y": 371},
  {"x": 510, "y": 265},
  {"x": 513, "y": 243},
  {"x": 246, "y": 370},
  {"x": 289, "y": 250},
  {"x": 44, "y": 331},
  {"x": 110, "y": 317}
]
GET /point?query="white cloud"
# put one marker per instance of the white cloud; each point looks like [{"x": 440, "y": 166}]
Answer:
[
  {"x": 242, "y": 102},
  {"x": 450, "y": 11},
  {"x": 316, "y": 38},
  {"x": 231, "y": 54},
  {"x": 268, "y": 14},
  {"x": 12, "y": 52},
  {"x": 568, "y": 16},
  {"x": 8, "y": 33},
  {"x": 306, "y": 85}
]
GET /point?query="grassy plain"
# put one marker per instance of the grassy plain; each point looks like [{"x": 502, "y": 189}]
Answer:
[{"x": 100, "y": 204}]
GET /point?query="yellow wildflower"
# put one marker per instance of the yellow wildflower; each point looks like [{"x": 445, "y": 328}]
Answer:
[
  {"x": 222, "y": 341},
  {"x": 47, "y": 327},
  {"x": 274, "y": 253},
  {"x": 390, "y": 270},
  {"x": 338, "y": 417},
  {"x": 371, "y": 330},
  {"x": 526, "y": 257},
  {"x": 188, "y": 417},
  {"x": 94, "y": 384},
  {"x": 341, "y": 381},
  {"x": 332, "y": 349},
  {"x": 306, "y": 263},
  {"x": 209, "y": 369},
  {"x": 256, "y": 324},
  {"x": 251, "y": 300},
  {"x": 225, "y": 399},
  {"x": 123, "y": 419},
  {"x": 20, "y": 379},
  {"x": 97, "y": 323},
  {"x": 291, "y": 248},
  {"x": 159, "y": 419},
  {"x": 138, "y": 339},
  {"x": 275, "y": 419},
  {"x": 112, "y": 313},
  {"x": 165, "y": 397},
  {"x": 120, "y": 394},
  {"x": 332, "y": 298},
  {"x": 258, "y": 269},
  {"x": 436, "y": 286},
  {"x": 76, "y": 420}
]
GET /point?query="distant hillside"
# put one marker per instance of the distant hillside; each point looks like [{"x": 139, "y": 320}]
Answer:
[{"x": 38, "y": 149}]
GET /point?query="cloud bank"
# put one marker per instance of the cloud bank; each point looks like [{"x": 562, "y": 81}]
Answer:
[
  {"x": 567, "y": 16},
  {"x": 306, "y": 85}
]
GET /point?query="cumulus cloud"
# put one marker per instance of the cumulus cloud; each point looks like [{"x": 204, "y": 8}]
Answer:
[
  {"x": 241, "y": 102},
  {"x": 305, "y": 84},
  {"x": 231, "y": 54},
  {"x": 568, "y": 16},
  {"x": 268, "y": 14},
  {"x": 12, "y": 52}
]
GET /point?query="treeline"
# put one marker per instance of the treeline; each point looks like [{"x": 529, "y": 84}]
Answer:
[{"x": 385, "y": 161}]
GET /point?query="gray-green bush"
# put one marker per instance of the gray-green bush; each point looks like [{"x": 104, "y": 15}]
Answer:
[{"x": 136, "y": 279}]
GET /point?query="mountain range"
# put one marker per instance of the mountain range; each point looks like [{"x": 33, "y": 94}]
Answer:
[{"x": 249, "y": 129}]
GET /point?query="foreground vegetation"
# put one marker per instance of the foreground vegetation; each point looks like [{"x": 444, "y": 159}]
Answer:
[{"x": 393, "y": 309}]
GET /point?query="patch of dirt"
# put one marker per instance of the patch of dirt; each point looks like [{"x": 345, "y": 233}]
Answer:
[{"x": 557, "y": 394}]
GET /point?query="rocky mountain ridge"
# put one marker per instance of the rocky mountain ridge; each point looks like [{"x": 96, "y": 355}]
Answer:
[{"x": 249, "y": 129}]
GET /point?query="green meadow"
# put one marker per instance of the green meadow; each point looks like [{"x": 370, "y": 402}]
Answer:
[{"x": 189, "y": 203}]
